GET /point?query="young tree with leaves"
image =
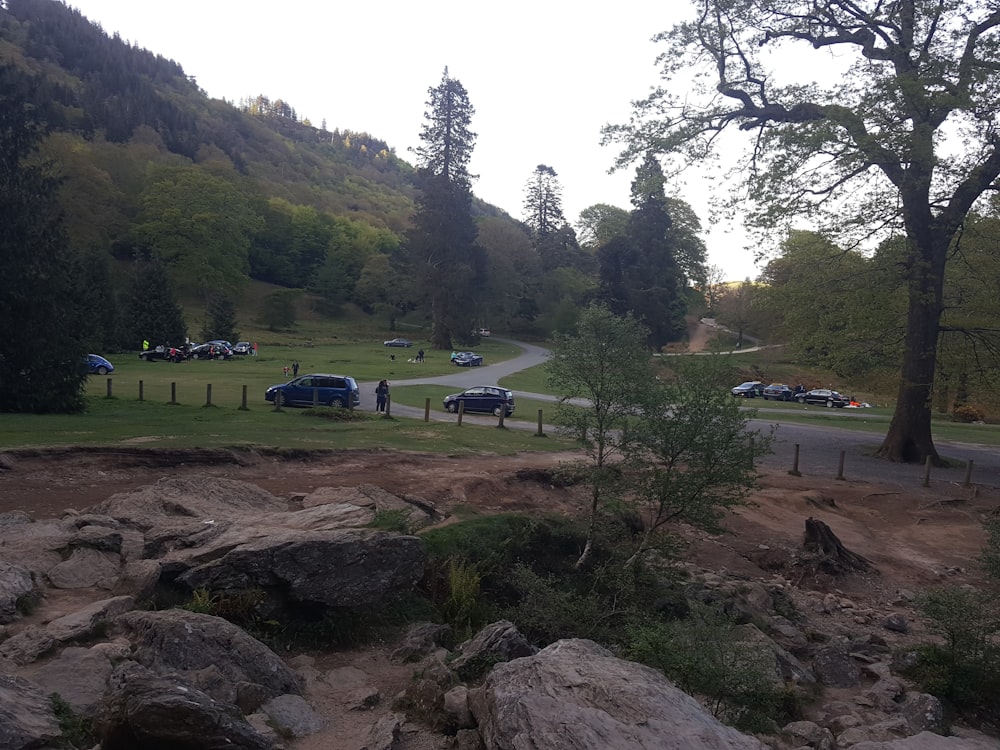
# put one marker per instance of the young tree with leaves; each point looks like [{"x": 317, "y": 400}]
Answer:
[
  {"x": 442, "y": 244},
  {"x": 905, "y": 139},
  {"x": 605, "y": 361}
]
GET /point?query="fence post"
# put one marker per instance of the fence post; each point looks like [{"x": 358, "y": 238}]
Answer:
[
  {"x": 503, "y": 413},
  {"x": 388, "y": 405},
  {"x": 208, "y": 394},
  {"x": 243, "y": 404},
  {"x": 539, "y": 433},
  {"x": 927, "y": 472},
  {"x": 968, "y": 474},
  {"x": 461, "y": 411},
  {"x": 840, "y": 467},
  {"x": 109, "y": 387},
  {"x": 140, "y": 390},
  {"x": 173, "y": 393},
  {"x": 795, "y": 463},
  {"x": 277, "y": 400},
  {"x": 427, "y": 410}
]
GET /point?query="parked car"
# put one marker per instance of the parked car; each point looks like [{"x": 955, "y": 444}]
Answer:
[
  {"x": 821, "y": 396},
  {"x": 317, "y": 388},
  {"x": 98, "y": 365},
  {"x": 164, "y": 352},
  {"x": 243, "y": 347},
  {"x": 779, "y": 392},
  {"x": 749, "y": 389},
  {"x": 485, "y": 332},
  {"x": 210, "y": 350},
  {"x": 488, "y": 399},
  {"x": 467, "y": 359},
  {"x": 398, "y": 342}
]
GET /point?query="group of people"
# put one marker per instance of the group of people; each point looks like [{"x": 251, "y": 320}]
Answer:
[
  {"x": 295, "y": 369},
  {"x": 381, "y": 396}
]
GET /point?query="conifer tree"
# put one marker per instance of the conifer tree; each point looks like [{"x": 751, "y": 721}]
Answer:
[
  {"x": 152, "y": 312},
  {"x": 442, "y": 247}
]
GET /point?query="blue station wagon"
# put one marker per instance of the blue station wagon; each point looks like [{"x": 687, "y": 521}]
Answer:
[{"x": 325, "y": 390}]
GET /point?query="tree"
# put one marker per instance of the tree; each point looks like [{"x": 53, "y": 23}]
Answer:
[
  {"x": 442, "y": 244},
  {"x": 599, "y": 224},
  {"x": 904, "y": 139},
  {"x": 42, "y": 320},
  {"x": 151, "y": 310},
  {"x": 543, "y": 202},
  {"x": 220, "y": 319},
  {"x": 605, "y": 360}
]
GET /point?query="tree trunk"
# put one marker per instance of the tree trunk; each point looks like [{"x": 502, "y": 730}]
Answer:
[
  {"x": 909, "y": 437},
  {"x": 834, "y": 557}
]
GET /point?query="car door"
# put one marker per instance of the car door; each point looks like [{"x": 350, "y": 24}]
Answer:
[
  {"x": 475, "y": 399},
  {"x": 299, "y": 391}
]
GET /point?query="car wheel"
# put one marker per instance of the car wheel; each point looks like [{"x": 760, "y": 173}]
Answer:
[
  {"x": 452, "y": 407},
  {"x": 497, "y": 411},
  {"x": 829, "y": 403},
  {"x": 338, "y": 402}
]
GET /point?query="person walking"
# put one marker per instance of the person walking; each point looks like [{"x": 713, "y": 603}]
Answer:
[
  {"x": 420, "y": 355},
  {"x": 381, "y": 396}
]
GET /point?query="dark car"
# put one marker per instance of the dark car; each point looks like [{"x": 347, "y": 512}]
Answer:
[
  {"x": 749, "y": 389},
  {"x": 822, "y": 397},
  {"x": 318, "y": 388},
  {"x": 211, "y": 350},
  {"x": 779, "y": 392},
  {"x": 98, "y": 365},
  {"x": 164, "y": 352},
  {"x": 467, "y": 359},
  {"x": 487, "y": 399},
  {"x": 406, "y": 343}
]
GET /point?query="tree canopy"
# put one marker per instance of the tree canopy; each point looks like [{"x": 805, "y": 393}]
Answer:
[{"x": 903, "y": 138}]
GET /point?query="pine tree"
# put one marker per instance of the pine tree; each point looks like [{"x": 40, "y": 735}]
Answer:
[
  {"x": 152, "y": 312},
  {"x": 42, "y": 320},
  {"x": 543, "y": 202},
  {"x": 220, "y": 322},
  {"x": 442, "y": 245}
]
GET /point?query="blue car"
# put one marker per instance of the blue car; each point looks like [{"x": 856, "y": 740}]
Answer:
[
  {"x": 98, "y": 365},
  {"x": 325, "y": 390}
]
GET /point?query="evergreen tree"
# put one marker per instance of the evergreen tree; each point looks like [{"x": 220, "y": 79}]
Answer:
[
  {"x": 220, "y": 322},
  {"x": 543, "y": 202},
  {"x": 442, "y": 245},
  {"x": 152, "y": 312},
  {"x": 42, "y": 321}
]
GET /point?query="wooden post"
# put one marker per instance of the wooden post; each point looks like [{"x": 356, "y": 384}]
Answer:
[
  {"x": 109, "y": 387},
  {"x": 140, "y": 390},
  {"x": 388, "y": 404},
  {"x": 461, "y": 411},
  {"x": 503, "y": 413},
  {"x": 795, "y": 463},
  {"x": 277, "y": 400},
  {"x": 243, "y": 404},
  {"x": 173, "y": 393},
  {"x": 539, "y": 433},
  {"x": 840, "y": 467},
  {"x": 208, "y": 394},
  {"x": 427, "y": 410},
  {"x": 968, "y": 475},
  {"x": 927, "y": 472}
]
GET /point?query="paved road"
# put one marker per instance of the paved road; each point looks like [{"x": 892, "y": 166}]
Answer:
[{"x": 819, "y": 445}]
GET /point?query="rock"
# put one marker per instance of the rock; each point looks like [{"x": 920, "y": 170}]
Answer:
[
  {"x": 456, "y": 706},
  {"x": 26, "y": 716},
  {"x": 355, "y": 688},
  {"x": 213, "y": 653},
  {"x": 924, "y": 712},
  {"x": 145, "y": 710},
  {"x": 291, "y": 716},
  {"x": 575, "y": 694},
  {"x": 931, "y": 741},
  {"x": 497, "y": 642},
  {"x": 78, "y": 675},
  {"x": 422, "y": 639},
  {"x": 896, "y": 623},
  {"x": 385, "y": 733},
  {"x": 880, "y": 731},
  {"x": 85, "y": 622},
  {"x": 834, "y": 667},
  {"x": 809, "y": 733},
  {"x": 17, "y": 590}
]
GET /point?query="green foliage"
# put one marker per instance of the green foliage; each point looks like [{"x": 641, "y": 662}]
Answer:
[
  {"x": 964, "y": 671},
  {"x": 393, "y": 519},
  {"x": 968, "y": 414},
  {"x": 76, "y": 732},
  {"x": 707, "y": 655},
  {"x": 221, "y": 319},
  {"x": 462, "y": 609},
  {"x": 152, "y": 312},
  {"x": 990, "y": 556},
  {"x": 278, "y": 311}
]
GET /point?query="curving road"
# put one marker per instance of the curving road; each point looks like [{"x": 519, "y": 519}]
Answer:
[{"x": 819, "y": 445}]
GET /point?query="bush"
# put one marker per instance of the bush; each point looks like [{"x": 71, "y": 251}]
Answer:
[{"x": 968, "y": 414}]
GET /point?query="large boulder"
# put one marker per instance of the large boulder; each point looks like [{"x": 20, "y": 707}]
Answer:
[
  {"x": 575, "y": 694},
  {"x": 144, "y": 710},
  {"x": 210, "y": 653},
  {"x": 26, "y": 715},
  {"x": 17, "y": 589}
]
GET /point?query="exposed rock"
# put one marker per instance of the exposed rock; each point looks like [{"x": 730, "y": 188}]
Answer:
[
  {"x": 809, "y": 733},
  {"x": 145, "y": 710},
  {"x": 86, "y": 621},
  {"x": 497, "y": 642},
  {"x": 86, "y": 568},
  {"x": 456, "y": 706},
  {"x": 291, "y": 716},
  {"x": 896, "y": 623},
  {"x": 575, "y": 694},
  {"x": 385, "y": 733},
  {"x": 924, "y": 712},
  {"x": 833, "y": 666},
  {"x": 17, "y": 586},
  {"x": 930, "y": 741},
  {"x": 212, "y": 653},
  {"x": 78, "y": 675},
  {"x": 356, "y": 687},
  {"x": 26, "y": 716},
  {"x": 422, "y": 639}
]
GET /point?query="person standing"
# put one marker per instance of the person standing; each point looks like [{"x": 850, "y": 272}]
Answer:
[
  {"x": 295, "y": 369},
  {"x": 420, "y": 355},
  {"x": 381, "y": 396}
]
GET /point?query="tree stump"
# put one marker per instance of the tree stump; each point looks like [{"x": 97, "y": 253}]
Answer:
[{"x": 833, "y": 556}]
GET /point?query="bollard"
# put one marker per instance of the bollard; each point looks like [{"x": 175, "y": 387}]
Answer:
[
  {"x": 277, "y": 401},
  {"x": 968, "y": 475},
  {"x": 140, "y": 390},
  {"x": 208, "y": 394},
  {"x": 539, "y": 433},
  {"x": 795, "y": 463},
  {"x": 388, "y": 404},
  {"x": 927, "y": 472},
  {"x": 173, "y": 393},
  {"x": 109, "y": 387},
  {"x": 243, "y": 404},
  {"x": 427, "y": 410},
  {"x": 461, "y": 411},
  {"x": 840, "y": 468}
]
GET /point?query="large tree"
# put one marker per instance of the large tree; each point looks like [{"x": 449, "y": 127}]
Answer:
[
  {"x": 543, "y": 202},
  {"x": 43, "y": 323},
  {"x": 442, "y": 244},
  {"x": 902, "y": 135}
]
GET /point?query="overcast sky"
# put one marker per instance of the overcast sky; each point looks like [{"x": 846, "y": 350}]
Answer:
[{"x": 543, "y": 76}]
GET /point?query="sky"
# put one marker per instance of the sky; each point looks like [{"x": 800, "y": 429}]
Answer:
[{"x": 543, "y": 77}]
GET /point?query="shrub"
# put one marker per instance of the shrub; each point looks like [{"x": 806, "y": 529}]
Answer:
[
  {"x": 968, "y": 414},
  {"x": 394, "y": 519},
  {"x": 75, "y": 731}
]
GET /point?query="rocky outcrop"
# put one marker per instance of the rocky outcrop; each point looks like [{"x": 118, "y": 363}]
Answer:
[
  {"x": 576, "y": 694},
  {"x": 26, "y": 715}
]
